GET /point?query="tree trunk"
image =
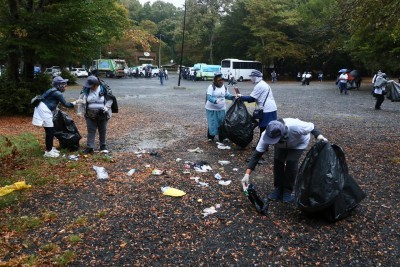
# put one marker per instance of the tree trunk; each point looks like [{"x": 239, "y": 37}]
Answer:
[{"x": 13, "y": 50}]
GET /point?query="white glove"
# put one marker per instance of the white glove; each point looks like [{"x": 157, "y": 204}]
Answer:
[
  {"x": 73, "y": 103},
  {"x": 218, "y": 101},
  {"x": 79, "y": 101},
  {"x": 105, "y": 109},
  {"x": 245, "y": 181},
  {"x": 238, "y": 95},
  {"x": 321, "y": 138}
]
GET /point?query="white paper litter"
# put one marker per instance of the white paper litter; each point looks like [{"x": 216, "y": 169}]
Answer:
[{"x": 222, "y": 182}]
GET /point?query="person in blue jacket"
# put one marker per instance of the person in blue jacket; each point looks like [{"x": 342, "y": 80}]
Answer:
[{"x": 43, "y": 113}]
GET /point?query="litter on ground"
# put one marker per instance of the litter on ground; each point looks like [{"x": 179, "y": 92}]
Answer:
[
  {"x": 222, "y": 182},
  {"x": 5, "y": 190},
  {"x": 196, "y": 150},
  {"x": 101, "y": 172},
  {"x": 173, "y": 192}
]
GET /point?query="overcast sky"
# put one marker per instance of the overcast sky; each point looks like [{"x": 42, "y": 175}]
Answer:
[{"x": 177, "y": 3}]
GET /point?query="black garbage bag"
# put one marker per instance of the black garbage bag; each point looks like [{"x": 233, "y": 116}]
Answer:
[
  {"x": 261, "y": 205},
  {"x": 393, "y": 91},
  {"x": 323, "y": 185},
  {"x": 66, "y": 131},
  {"x": 238, "y": 124}
]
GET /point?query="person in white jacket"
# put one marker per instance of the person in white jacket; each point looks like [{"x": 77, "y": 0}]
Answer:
[{"x": 290, "y": 138}]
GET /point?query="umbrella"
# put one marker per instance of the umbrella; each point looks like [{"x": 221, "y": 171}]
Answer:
[
  {"x": 342, "y": 70},
  {"x": 355, "y": 73}
]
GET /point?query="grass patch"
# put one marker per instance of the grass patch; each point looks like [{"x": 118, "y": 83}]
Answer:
[
  {"x": 26, "y": 145},
  {"x": 49, "y": 247},
  {"x": 101, "y": 213},
  {"x": 82, "y": 221},
  {"x": 74, "y": 238},
  {"x": 23, "y": 223},
  {"x": 66, "y": 258}
]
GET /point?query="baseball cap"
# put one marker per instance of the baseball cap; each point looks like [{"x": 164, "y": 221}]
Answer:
[
  {"x": 58, "y": 80},
  {"x": 256, "y": 73},
  {"x": 274, "y": 131},
  {"x": 91, "y": 80}
]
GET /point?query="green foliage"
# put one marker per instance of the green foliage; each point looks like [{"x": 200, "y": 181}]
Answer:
[{"x": 15, "y": 96}]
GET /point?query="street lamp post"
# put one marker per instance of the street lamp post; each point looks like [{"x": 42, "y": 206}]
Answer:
[{"x": 183, "y": 42}]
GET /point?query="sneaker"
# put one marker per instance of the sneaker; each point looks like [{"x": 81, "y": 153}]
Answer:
[
  {"x": 55, "y": 150},
  {"x": 103, "y": 148},
  {"x": 287, "y": 197},
  {"x": 88, "y": 151},
  {"x": 51, "y": 154},
  {"x": 276, "y": 194}
]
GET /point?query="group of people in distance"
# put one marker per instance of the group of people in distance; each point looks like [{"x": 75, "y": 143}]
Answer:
[{"x": 290, "y": 137}]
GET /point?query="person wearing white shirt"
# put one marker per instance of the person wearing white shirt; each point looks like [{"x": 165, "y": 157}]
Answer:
[{"x": 290, "y": 137}]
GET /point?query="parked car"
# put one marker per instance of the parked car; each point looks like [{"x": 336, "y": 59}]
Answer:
[
  {"x": 53, "y": 71},
  {"x": 79, "y": 72}
]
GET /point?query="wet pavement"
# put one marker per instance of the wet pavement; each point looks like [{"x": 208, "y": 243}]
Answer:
[{"x": 170, "y": 113}]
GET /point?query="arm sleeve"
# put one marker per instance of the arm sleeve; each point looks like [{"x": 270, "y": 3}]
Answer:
[
  {"x": 315, "y": 132},
  {"x": 64, "y": 102},
  {"x": 255, "y": 157},
  {"x": 229, "y": 96},
  {"x": 211, "y": 99},
  {"x": 248, "y": 98}
]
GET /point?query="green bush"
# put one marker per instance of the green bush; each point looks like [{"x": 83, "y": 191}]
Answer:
[{"x": 15, "y": 96}]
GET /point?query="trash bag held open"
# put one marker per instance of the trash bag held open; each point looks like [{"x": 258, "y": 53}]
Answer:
[
  {"x": 238, "y": 125},
  {"x": 66, "y": 131},
  {"x": 323, "y": 184}
]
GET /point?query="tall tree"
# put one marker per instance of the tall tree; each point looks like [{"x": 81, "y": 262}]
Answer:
[{"x": 56, "y": 31}]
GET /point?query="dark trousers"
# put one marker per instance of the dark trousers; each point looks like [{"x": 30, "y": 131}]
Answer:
[
  {"x": 49, "y": 137},
  {"x": 286, "y": 163},
  {"x": 379, "y": 100}
]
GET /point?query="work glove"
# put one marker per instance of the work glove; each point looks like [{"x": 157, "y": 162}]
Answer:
[
  {"x": 79, "y": 101},
  {"x": 105, "y": 109},
  {"x": 238, "y": 96},
  {"x": 245, "y": 181},
  {"x": 218, "y": 101},
  {"x": 73, "y": 103},
  {"x": 321, "y": 138}
]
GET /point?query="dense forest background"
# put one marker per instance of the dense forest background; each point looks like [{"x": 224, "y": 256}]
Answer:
[{"x": 286, "y": 35}]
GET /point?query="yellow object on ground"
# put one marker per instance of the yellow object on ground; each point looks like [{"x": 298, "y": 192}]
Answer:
[
  {"x": 173, "y": 192},
  {"x": 15, "y": 186}
]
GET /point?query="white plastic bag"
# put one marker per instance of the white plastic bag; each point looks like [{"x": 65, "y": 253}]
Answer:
[{"x": 101, "y": 172}]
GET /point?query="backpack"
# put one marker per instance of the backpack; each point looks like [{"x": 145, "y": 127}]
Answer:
[
  {"x": 108, "y": 94},
  {"x": 39, "y": 98}
]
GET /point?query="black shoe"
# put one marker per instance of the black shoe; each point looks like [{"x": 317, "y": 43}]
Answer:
[
  {"x": 103, "y": 148},
  {"x": 88, "y": 151}
]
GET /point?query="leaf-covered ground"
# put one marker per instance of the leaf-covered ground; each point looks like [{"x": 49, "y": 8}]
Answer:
[{"x": 126, "y": 220}]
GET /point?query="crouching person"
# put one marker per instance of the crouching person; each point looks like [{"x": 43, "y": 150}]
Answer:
[{"x": 290, "y": 138}]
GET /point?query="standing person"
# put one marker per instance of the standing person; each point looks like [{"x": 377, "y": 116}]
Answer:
[
  {"x": 262, "y": 95},
  {"x": 298, "y": 77},
  {"x": 308, "y": 78},
  {"x": 215, "y": 106},
  {"x": 43, "y": 114},
  {"x": 194, "y": 75},
  {"x": 232, "y": 80},
  {"x": 166, "y": 74},
  {"x": 98, "y": 99},
  {"x": 303, "y": 78},
  {"x": 273, "y": 76},
  {"x": 290, "y": 138},
  {"x": 161, "y": 76},
  {"x": 343, "y": 82},
  {"x": 320, "y": 76},
  {"x": 380, "y": 83}
]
